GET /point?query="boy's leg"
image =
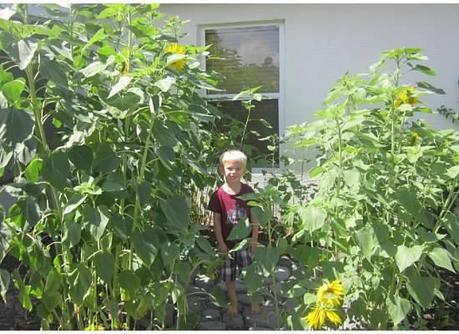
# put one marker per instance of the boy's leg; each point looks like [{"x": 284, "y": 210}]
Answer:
[
  {"x": 231, "y": 287},
  {"x": 228, "y": 275},
  {"x": 243, "y": 260}
]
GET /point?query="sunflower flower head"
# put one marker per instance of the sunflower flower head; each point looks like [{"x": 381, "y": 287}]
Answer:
[
  {"x": 331, "y": 294},
  {"x": 407, "y": 95},
  {"x": 320, "y": 316},
  {"x": 329, "y": 298},
  {"x": 316, "y": 318},
  {"x": 177, "y": 62}
]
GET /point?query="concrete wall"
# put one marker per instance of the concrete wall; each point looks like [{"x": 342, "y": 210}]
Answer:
[{"x": 323, "y": 41}]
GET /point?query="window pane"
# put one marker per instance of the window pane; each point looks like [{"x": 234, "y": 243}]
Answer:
[
  {"x": 263, "y": 119},
  {"x": 247, "y": 57}
]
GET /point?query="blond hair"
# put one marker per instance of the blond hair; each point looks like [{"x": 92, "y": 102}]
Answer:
[{"x": 233, "y": 155}]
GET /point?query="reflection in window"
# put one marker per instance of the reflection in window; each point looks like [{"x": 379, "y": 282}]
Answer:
[{"x": 247, "y": 57}]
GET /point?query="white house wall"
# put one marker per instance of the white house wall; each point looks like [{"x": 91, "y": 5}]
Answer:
[{"x": 323, "y": 41}]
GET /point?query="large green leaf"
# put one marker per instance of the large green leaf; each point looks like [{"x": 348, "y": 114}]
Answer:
[
  {"x": 30, "y": 211},
  {"x": 421, "y": 288},
  {"x": 442, "y": 258},
  {"x": 129, "y": 281},
  {"x": 429, "y": 87},
  {"x": 80, "y": 285},
  {"x": 114, "y": 182},
  {"x": 406, "y": 256},
  {"x": 93, "y": 68},
  {"x": 176, "y": 211},
  {"x": 121, "y": 225},
  {"x": 398, "y": 308},
  {"x": 366, "y": 239},
  {"x": 4, "y": 283},
  {"x": 308, "y": 256},
  {"x": 144, "y": 244},
  {"x": 74, "y": 202},
  {"x": 56, "y": 169},
  {"x": 313, "y": 218},
  {"x": 453, "y": 172},
  {"x": 166, "y": 155},
  {"x": 72, "y": 233},
  {"x": 105, "y": 159},
  {"x": 52, "y": 70},
  {"x": 143, "y": 192},
  {"x": 408, "y": 198},
  {"x": 5, "y": 158},
  {"x": 52, "y": 294},
  {"x": 51, "y": 300},
  {"x": 15, "y": 216},
  {"x": 24, "y": 296},
  {"x": 169, "y": 253},
  {"x": 15, "y": 126},
  {"x": 205, "y": 245},
  {"x": 241, "y": 230},
  {"x": 5, "y": 76},
  {"x": 53, "y": 281},
  {"x": 33, "y": 170},
  {"x": 97, "y": 219},
  {"x": 267, "y": 258},
  {"x": 184, "y": 271},
  {"x": 262, "y": 215},
  {"x": 252, "y": 279},
  {"x": 27, "y": 50},
  {"x": 166, "y": 136},
  {"x": 120, "y": 85},
  {"x": 12, "y": 90},
  {"x": 452, "y": 226},
  {"x": 105, "y": 266},
  {"x": 165, "y": 84},
  {"x": 352, "y": 178},
  {"x": 81, "y": 157}
]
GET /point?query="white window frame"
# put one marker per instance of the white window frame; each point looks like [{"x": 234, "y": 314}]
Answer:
[{"x": 279, "y": 96}]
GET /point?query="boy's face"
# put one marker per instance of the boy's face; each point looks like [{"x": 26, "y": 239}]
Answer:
[{"x": 232, "y": 171}]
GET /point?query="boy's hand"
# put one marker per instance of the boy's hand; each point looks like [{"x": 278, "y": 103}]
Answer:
[
  {"x": 252, "y": 246},
  {"x": 222, "y": 249}
]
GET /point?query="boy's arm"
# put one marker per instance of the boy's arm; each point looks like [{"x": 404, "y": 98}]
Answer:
[{"x": 222, "y": 248}]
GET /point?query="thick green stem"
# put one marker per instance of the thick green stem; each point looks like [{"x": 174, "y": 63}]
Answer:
[
  {"x": 245, "y": 127},
  {"x": 38, "y": 115},
  {"x": 129, "y": 38},
  {"x": 115, "y": 320},
  {"x": 273, "y": 276},
  {"x": 447, "y": 205},
  {"x": 340, "y": 156},
  {"x": 142, "y": 168}
]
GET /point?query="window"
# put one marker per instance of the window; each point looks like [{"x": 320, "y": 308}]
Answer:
[{"x": 248, "y": 56}]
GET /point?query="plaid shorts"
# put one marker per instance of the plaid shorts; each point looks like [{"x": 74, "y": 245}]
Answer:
[{"x": 233, "y": 265}]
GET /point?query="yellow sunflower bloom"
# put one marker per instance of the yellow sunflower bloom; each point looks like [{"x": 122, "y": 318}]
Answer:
[
  {"x": 331, "y": 294},
  {"x": 319, "y": 316},
  {"x": 334, "y": 317},
  {"x": 407, "y": 95},
  {"x": 316, "y": 318},
  {"x": 175, "y": 48}
]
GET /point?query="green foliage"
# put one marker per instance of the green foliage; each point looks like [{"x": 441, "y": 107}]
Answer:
[
  {"x": 383, "y": 211},
  {"x": 101, "y": 220}
]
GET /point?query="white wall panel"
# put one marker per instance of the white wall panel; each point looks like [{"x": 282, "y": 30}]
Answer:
[{"x": 323, "y": 41}]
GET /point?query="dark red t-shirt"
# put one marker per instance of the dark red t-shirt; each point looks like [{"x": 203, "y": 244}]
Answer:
[{"x": 231, "y": 208}]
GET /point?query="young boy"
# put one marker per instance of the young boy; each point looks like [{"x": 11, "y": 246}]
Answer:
[{"x": 228, "y": 210}]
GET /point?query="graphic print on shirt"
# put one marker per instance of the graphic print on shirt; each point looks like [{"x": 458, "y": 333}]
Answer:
[{"x": 235, "y": 214}]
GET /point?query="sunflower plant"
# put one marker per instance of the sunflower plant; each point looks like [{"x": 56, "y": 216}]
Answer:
[
  {"x": 382, "y": 218},
  {"x": 104, "y": 133}
]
